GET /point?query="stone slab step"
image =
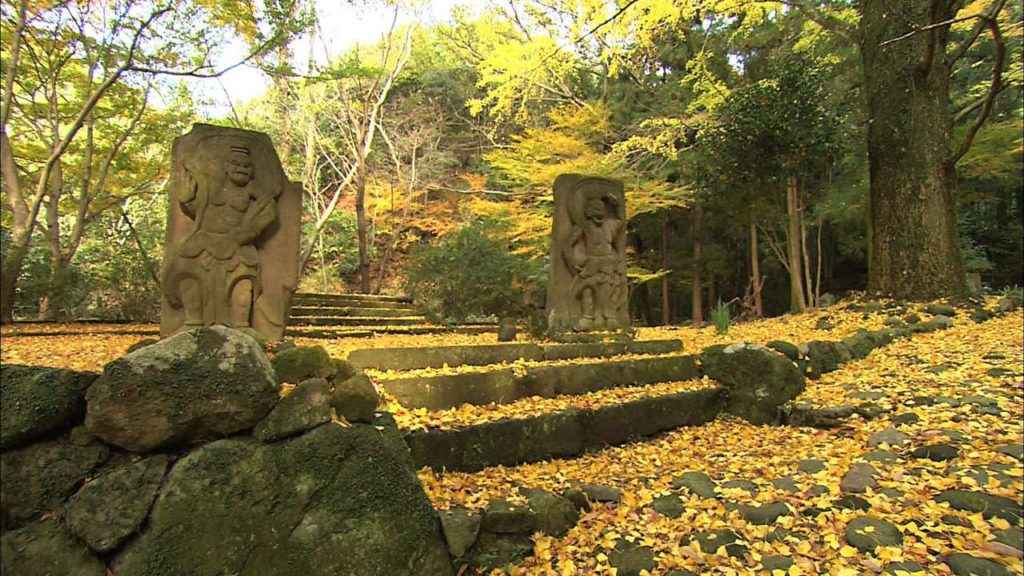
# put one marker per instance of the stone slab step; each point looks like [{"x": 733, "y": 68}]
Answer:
[
  {"x": 562, "y": 434},
  {"x": 302, "y": 302},
  {"x": 486, "y": 354},
  {"x": 346, "y": 299},
  {"x": 299, "y": 311},
  {"x": 329, "y": 333},
  {"x": 503, "y": 386},
  {"x": 356, "y": 320}
]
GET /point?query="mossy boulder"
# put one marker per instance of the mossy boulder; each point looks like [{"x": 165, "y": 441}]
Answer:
[
  {"x": 824, "y": 357},
  {"x": 37, "y": 402},
  {"x": 355, "y": 399},
  {"x": 45, "y": 549},
  {"x": 38, "y": 478},
  {"x": 306, "y": 407},
  {"x": 759, "y": 380},
  {"x": 301, "y": 363},
  {"x": 110, "y": 508},
  {"x": 334, "y": 500},
  {"x": 200, "y": 384}
]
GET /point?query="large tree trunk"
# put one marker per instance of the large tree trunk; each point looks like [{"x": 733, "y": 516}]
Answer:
[
  {"x": 915, "y": 246},
  {"x": 797, "y": 302},
  {"x": 666, "y": 312},
  {"x": 698, "y": 289},
  {"x": 755, "y": 269}
]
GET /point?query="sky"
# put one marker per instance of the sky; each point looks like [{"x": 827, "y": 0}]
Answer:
[{"x": 342, "y": 25}]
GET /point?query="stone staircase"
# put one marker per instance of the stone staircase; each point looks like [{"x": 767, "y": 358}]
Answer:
[
  {"x": 318, "y": 315},
  {"x": 486, "y": 375}
]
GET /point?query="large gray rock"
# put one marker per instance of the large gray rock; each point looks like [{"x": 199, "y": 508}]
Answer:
[
  {"x": 200, "y": 384},
  {"x": 306, "y": 407},
  {"x": 461, "y": 527},
  {"x": 335, "y": 500},
  {"x": 106, "y": 511},
  {"x": 38, "y": 401},
  {"x": 355, "y": 399},
  {"x": 301, "y": 363},
  {"x": 759, "y": 380},
  {"x": 45, "y": 549},
  {"x": 556, "y": 515},
  {"x": 38, "y": 478},
  {"x": 824, "y": 357},
  {"x": 865, "y": 533}
]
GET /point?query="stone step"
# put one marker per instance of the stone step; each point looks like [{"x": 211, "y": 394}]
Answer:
[
  {"x": 356, "y": 320},
  {"x": 503, "y": 386},
  {"x": 562, "y": 434},
  {"x": 346, "y": 299},
  {"x": 328, "y": 332},
  {"x": 300, "y": 311},
  {"x": 486, "y": 354}
]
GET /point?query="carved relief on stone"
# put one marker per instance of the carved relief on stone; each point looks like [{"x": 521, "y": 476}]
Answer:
[
  {"x": 231, "y": 254},
  {"x": 587, "y": 290}
]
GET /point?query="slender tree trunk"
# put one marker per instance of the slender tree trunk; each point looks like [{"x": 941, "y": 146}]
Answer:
[
  {"x": 797, "y": 302},
  {"x": 698, "y": 247},
  {"x": 150, "y": 267},
  {"x": 364, "y": 251},
  {"x": 755, "y": 269},
  {"x": 915, "y": 244},
  {"x": 821, "y": 259},
  {"x": 808, "y": 285},
  {"x": 666, "y": 312}
]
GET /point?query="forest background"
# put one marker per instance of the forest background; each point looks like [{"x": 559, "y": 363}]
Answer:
[{"x": 742, "y": 129}]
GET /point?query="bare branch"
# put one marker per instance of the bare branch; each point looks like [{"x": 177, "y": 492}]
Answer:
[{"x": 994, "y": 89}]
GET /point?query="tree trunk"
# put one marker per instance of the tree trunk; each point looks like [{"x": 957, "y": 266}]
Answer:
[
  {"x": 364, "y": 251},
  {"x": 666, "y": 312},
  {"x": 797, "y": 302},
  {"x": 755, "y": 269},
  {"x": 915, "y": 244},
  {"x": 698, "y": 291}
]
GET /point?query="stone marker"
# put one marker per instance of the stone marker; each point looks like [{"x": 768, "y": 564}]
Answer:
[
  {"x": 232, "y": 234},
  {"x": 588, "y": 290}
]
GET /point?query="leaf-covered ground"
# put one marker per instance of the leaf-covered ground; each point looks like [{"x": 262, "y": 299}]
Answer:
[{"x": 982, "y": 371}]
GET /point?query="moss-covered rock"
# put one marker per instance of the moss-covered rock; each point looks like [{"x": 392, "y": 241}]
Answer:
[
  {"x": 39, "y": 401},
  {"x": 38, "y": 478},
  {"x": 306, "y": 407},
  {"x": 301, "y": 363},
  {"x": 355, "y": 399},
  {"x": 333, "y": 501},
  {"x": 200, "y": 384},
  {"x": 106, "y": 511},
  {"x": 45, "y": 549},
  {"x": 759, "y": 380}
]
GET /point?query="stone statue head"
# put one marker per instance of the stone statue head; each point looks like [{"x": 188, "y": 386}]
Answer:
[{"x": 239, "y": 165}]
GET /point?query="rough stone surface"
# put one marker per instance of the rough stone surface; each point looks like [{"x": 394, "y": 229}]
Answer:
[
  {"x": 304, "y": 408},
  {"x": 759, "y": 381},
  {"x": 866, "y": 533},
  {"x": 461, "y": 528},
  {"x": 967, "y": 565},
  {"x": 1012, "y": 537},
  {"x": 630, "y": 559},
  {"x": 890, "y": 436},
  {"x": 45, "y": 549},
  {"x": 831, "y": 417},
  {"x": 502, "y": 517},
  {"x": 233, "y": 222},
  {"x": 943, "y": 309},
  {"x": 741, "y": 484},
  {"x": 597, "y": 493},
  {"x": 669, "y": 505},
  {"x": 36, "y": 402},
  {"x": 824, "y": 357},
  {"x": 1012, "y": 450},
  {"x": 507, "y": 330},
  {"x": 355, "y": 399},
  {"x": 698, "y": 483},
  {"x": 851, "y": 502},
  {"x": 587, "y": 289},
  {"x": 881, "y": 456},
  {"x": 936, "y": 452},
  {"x": 711, "y": 540},
  {"x": 989, "y": 505},
  {"x": 38, "y": 478},
  {"x": 107, "y": 510},
  {"x": 197, "y": 385},
  {"x": 859, "y": 478},
  {"x": 776, "y": 562},
  {"x": 903, "y": 569},
  {"x": 333, "y": 501},
  {"x": 301, "y": 363},
  {"x": 812, "y": 466},
  {"x": 556, "y": 515},
  {"x": 438, "y": 356},
  {"x": 764, "y": 514},
  {"x": 787, "y": 349}
]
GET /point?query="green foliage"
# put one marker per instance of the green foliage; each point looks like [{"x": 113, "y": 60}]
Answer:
[
  {"x": 470, "y": 272},
  {"x": 720, "y": 318}
]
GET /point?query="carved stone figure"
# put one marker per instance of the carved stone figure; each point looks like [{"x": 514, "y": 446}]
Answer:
[
  {"x": 231, "y": 254},
  {"x": 587, "y": 290}
]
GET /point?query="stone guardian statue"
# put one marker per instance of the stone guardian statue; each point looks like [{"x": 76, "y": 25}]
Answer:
[
  {"x": 231, "y": 255},
  {"x": 587, "y": 290}
]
